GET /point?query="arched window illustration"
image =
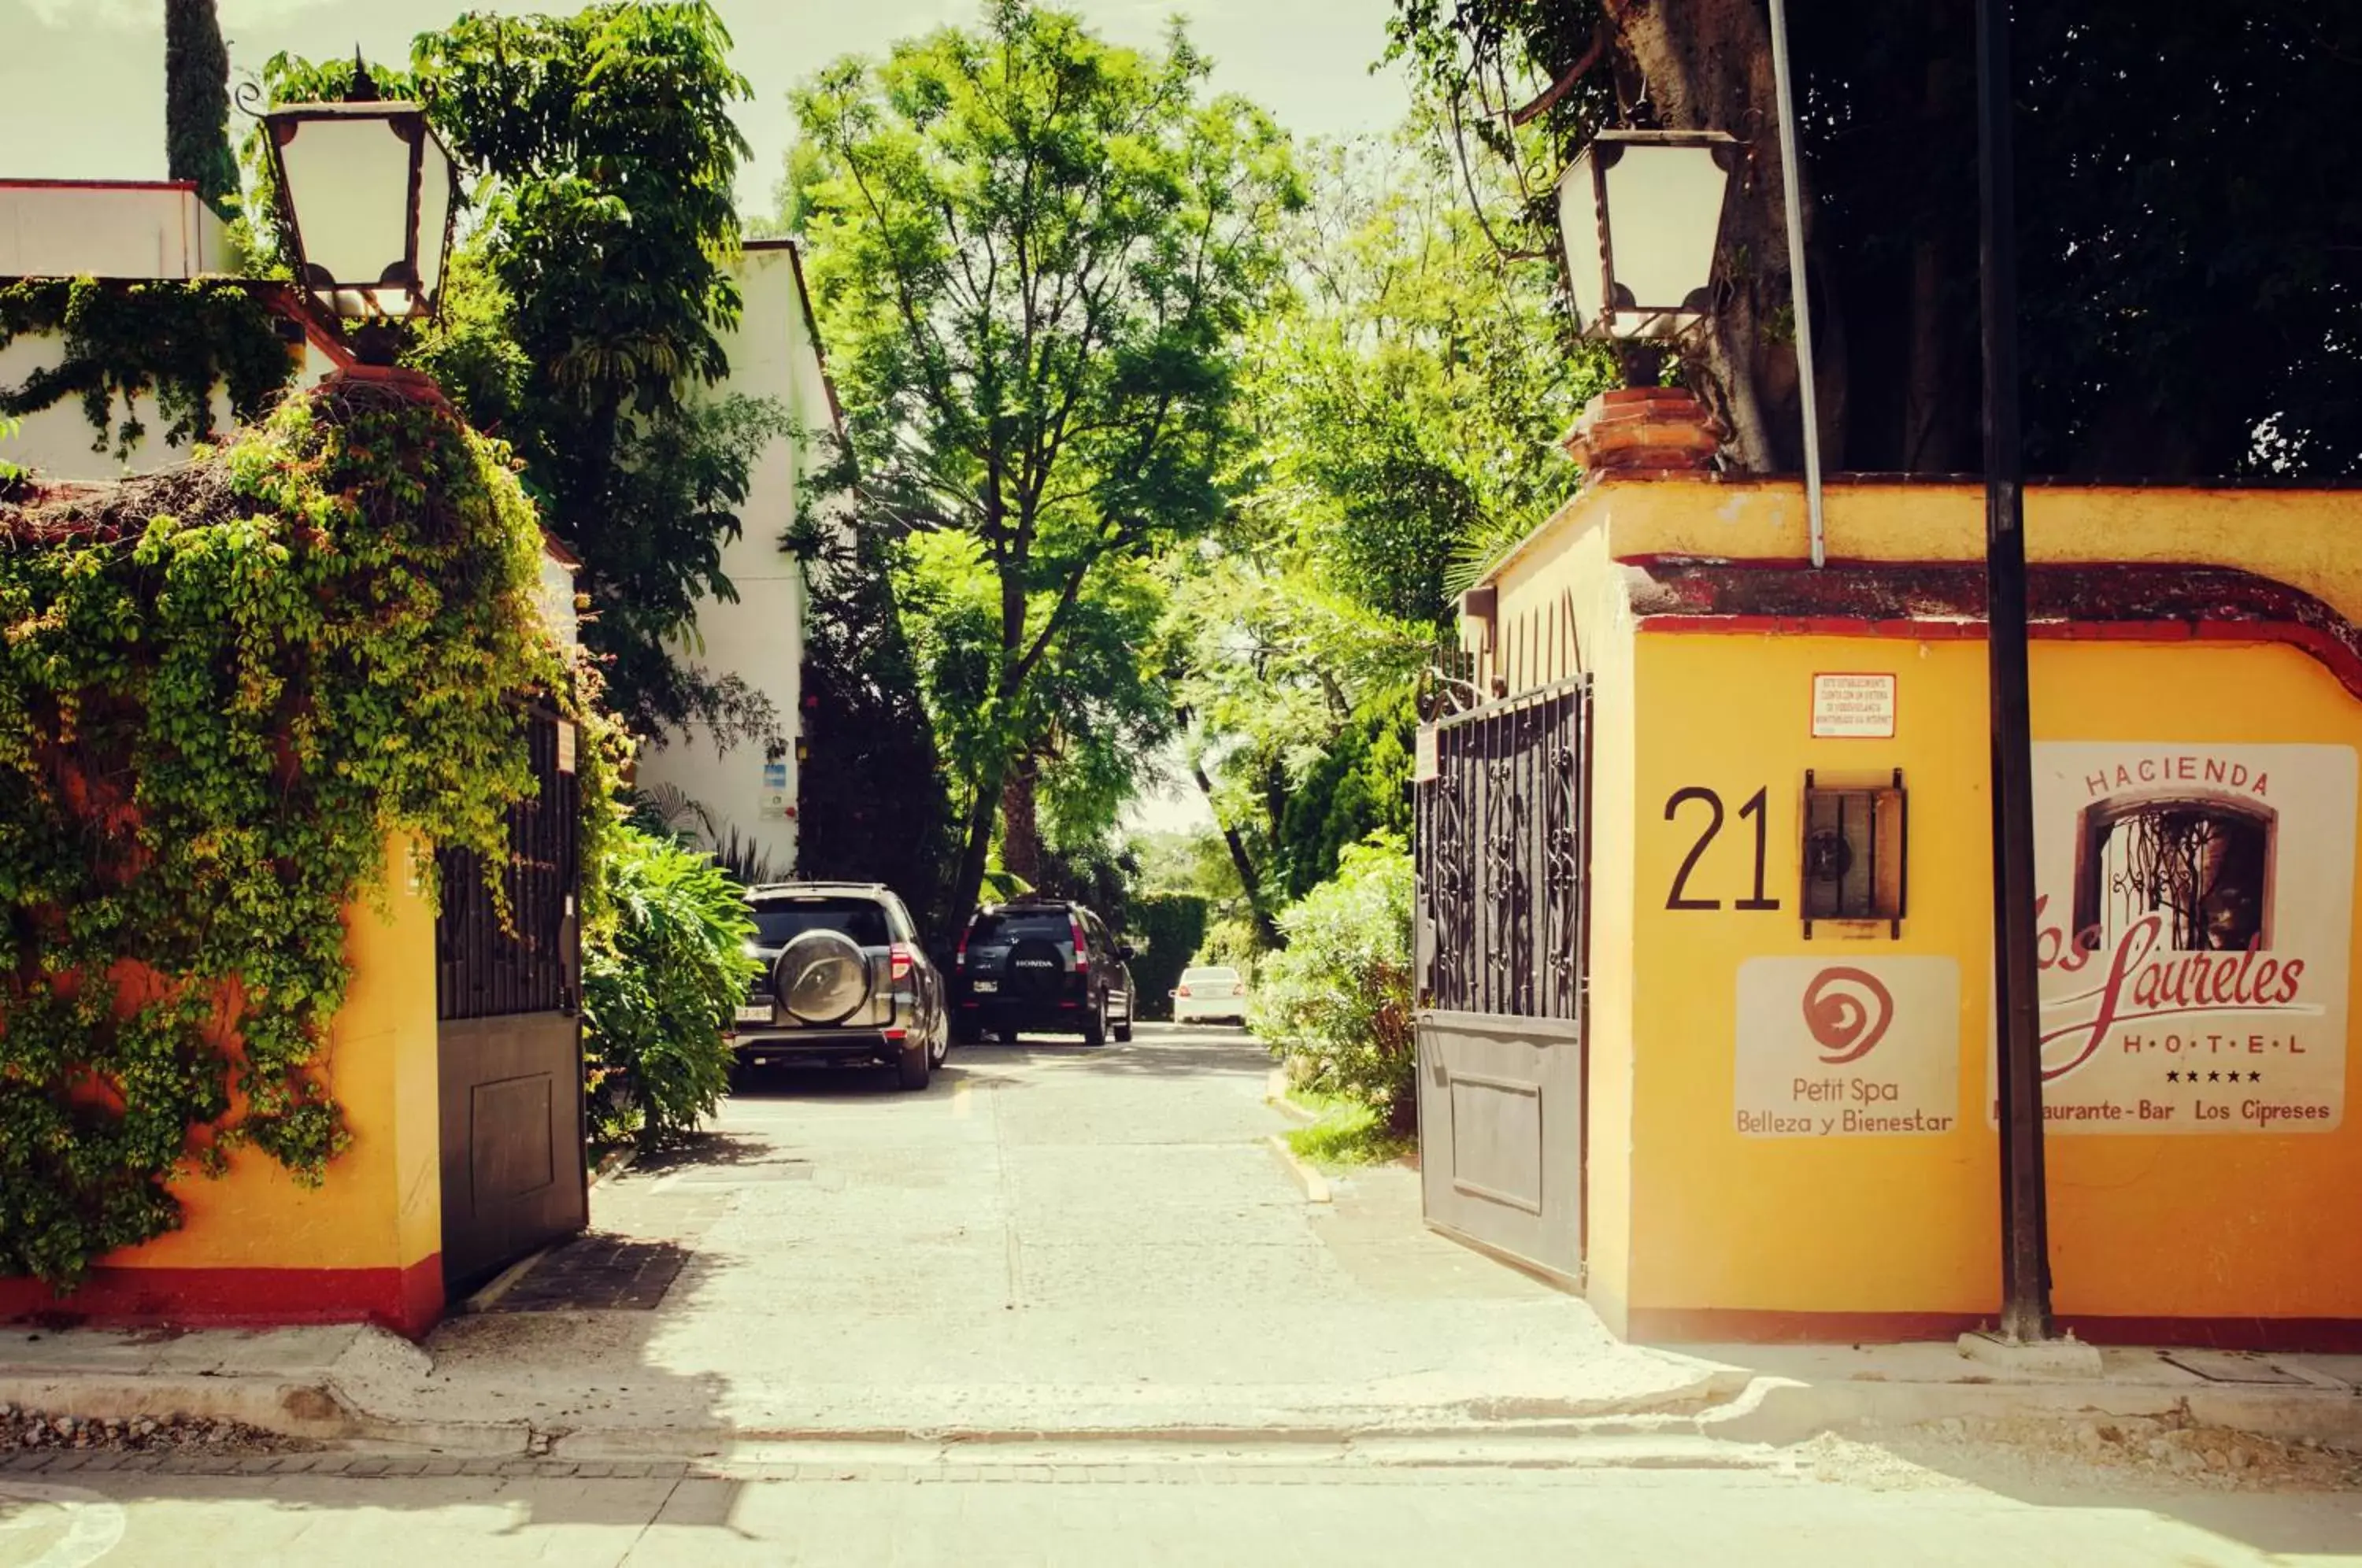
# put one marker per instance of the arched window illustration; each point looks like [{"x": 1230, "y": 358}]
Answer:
[{"x": 2203, "y": 863}]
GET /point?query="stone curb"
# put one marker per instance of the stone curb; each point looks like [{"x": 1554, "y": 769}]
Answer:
[
  {"x": 1763, "y": 1411},
  {"x": 1315, "y": 1185},
  {"x": 1781, "y": 1410},
  {"x": 1275, "y": 1095},
  {"x": 314, "y": 1410}
]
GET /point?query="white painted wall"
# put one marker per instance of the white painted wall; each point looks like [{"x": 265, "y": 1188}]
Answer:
[
  {"x": 759, "y": 638},
  {"x": 108, "y": 229},
  {"x": 95, "y": 229}
]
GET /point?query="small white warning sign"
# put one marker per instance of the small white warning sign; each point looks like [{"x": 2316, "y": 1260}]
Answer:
[{"x": 1853, "y": 707}]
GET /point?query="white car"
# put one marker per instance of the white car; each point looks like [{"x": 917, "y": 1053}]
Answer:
[{"x": 1216, "y": 992}]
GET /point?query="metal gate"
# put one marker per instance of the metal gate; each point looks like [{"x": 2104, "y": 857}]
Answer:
[
  {"x": 510, "y": 1041},
  {"x": 1504, "y": 842}
]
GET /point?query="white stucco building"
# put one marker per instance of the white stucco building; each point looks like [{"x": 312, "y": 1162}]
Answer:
[
  {"x": 122, "y": 231},
  {"x": 775, "y": 354}
]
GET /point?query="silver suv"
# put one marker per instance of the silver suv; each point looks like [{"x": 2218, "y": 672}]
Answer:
[{"x": 843, "y": 980}]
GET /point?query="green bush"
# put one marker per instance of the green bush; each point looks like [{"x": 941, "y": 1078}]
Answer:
[
  {"x": 661, "y": 977},
  {"x": 1335, "y": 1002},
  {"x": 1234, "y": 943},
  {"x": 1167, "y": 929}
]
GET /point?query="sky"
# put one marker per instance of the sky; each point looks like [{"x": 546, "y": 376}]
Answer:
[
  {"x": 82, "y": 82},
  {"x": 81, "y": 92}
]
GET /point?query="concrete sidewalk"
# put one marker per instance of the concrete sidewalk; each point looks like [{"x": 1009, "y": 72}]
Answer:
[{"x": 1054, "y": 1242}]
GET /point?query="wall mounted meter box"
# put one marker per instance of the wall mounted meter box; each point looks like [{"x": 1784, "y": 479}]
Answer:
[{"x": 1856, "y": 838}]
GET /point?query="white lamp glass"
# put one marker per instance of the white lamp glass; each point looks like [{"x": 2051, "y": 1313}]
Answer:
[
  {"x": 369, "y": 189},
  {"x": 1640, "y": 216},
  {"x": 437, "y": 182},
  {"x": 1586, "y": 253},
  {"x": 348, "y": 183},
  {"x": 1664, "y": 210}
]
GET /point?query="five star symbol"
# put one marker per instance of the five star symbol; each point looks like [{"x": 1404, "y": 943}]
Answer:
[{"x": 2191, "y": 1077}]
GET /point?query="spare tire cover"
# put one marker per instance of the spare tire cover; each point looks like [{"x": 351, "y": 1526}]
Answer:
[
  {"x": 823, "y": 976},
  {"x": 1037, "y": 969}
]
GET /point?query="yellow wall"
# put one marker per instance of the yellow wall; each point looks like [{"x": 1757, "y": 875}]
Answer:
[
  {"x": 2160, "y": 1225},
  {"x": 1686, "y": 1213},
  {"x": 382, "y": 1204}
]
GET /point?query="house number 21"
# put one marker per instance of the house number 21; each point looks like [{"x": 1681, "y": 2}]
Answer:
[{"x": 1680, "y": 898}]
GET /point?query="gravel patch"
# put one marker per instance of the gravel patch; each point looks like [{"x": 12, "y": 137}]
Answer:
[
  {"x": 23, "y": 1430},
  {"x": 2090, "y": 1452}
]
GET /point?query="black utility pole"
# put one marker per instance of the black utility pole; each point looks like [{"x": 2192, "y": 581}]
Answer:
[{"x": 2024, "y": 1208}]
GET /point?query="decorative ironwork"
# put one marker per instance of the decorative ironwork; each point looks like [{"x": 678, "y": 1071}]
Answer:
[
  {"x": 2201, "y": 865},
  {"x": 485, "y": 969},
  {"x": 1503, "y": 828}
]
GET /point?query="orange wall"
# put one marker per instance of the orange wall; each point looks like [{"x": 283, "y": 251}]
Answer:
[{"x": 381, "y": 1206}]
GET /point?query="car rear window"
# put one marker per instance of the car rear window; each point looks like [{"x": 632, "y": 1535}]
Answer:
[
  {"x": 780, "y": 922},
  {"x": 1017, "y": 925},
  {"x": 1211, "y": 975}
]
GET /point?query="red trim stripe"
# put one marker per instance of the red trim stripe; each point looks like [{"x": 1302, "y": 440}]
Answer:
[
  {"x": 1756, "y": 1326},
  {"x": 1944, "y": 602},
  {"x": 407, "y": 1300},
  {"x": 2329, "y": 652}
]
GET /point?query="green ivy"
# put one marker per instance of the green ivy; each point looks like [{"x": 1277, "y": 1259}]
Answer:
[
  {"x": 223, "y": 692},
  {"x": 124, "y": 340}
]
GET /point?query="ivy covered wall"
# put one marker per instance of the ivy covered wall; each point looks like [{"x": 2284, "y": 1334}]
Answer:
[{"x": 222, "y": 689}]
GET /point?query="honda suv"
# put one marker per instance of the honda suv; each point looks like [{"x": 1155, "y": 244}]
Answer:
[
  {"x": 843, "y": 980},
  {"x": 1042, "y": 966}
]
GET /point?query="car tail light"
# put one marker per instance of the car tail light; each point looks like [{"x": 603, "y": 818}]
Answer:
[
  {"x": 959, "y": 955},
  {"x": 1082, "y": 943},
  {"x": 1181, "y": 992},
  {"x": 896, "y": 1036},
  {"x": 902, "y": 960}
]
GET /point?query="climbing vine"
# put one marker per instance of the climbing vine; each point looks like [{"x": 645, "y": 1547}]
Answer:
[
  {"x": 124, "y": 340},
  {"x": 224, "y": 692}
]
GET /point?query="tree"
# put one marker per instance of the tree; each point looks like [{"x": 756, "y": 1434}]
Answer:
[
  {"x": 1406, "y": 397},
  {"x": 196, "y": 103},
  {"x": 1035, "y": 255},
  {"x": 2186, "y": 225},
  {"x": 583, "y": 311},
  {"x": 871, "y": 796}
]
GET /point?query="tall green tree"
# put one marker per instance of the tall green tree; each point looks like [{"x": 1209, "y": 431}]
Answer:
[
  {"x": 872, "y": 800},
  {"x": 583, "y": 316},
  {"x": 2187, "y": 222},
  {"x": 196, "y": 103},
  {"x": 1406, "y": 398},
  {"x": 1036, "y": 254}
]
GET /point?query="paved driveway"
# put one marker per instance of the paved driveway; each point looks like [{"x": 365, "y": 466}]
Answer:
[{"x": 1049, "y": 1239}]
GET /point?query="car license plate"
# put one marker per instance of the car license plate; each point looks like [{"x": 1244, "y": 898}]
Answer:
[
  {"x": 754, "y": 1014},
  {"x": 983, "y": 985}
]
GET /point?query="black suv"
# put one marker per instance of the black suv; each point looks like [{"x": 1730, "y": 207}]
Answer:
[
  {"x": 843, "y": 980},
  {"x": 1045, "y": 965}
]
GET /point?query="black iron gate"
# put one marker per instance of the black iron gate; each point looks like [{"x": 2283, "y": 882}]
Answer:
[
  {"x": 510, "y": 1043},
  {"x": 1503, "y": 839}
]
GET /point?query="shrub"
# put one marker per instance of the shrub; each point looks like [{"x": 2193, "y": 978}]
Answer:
[
  {"x": 661, "y": 977},
  {"x": 1335, "y": 1002},
  {"x": 1166, "y": 928},
  {"x": 1233, "y": 942}
]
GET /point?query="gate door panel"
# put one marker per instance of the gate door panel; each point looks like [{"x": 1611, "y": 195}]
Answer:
[
  {"x": 510, "y": 1048},
  {"x": 1503, "y": 858}
]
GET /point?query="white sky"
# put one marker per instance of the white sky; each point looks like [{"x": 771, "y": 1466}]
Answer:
[
  {"x": 82, "y": 90},
  {"x": 82, "y": 82}
]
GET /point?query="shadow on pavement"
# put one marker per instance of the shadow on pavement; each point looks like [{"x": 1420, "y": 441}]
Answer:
[{"x": 2282, "y": 1503}]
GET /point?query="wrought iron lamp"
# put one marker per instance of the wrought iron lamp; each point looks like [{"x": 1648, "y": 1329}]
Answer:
[
  {"x": 369, "y": 192},
  {"x": 1641, "y": 215}
]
